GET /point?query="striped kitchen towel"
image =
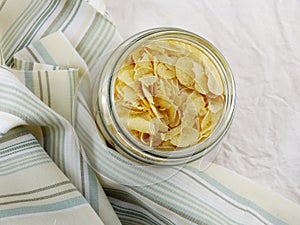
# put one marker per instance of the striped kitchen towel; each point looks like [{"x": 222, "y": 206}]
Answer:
[{"x": 55, "y": 167}]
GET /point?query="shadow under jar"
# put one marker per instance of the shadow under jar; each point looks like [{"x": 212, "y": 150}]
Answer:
[{"x": 166, "y": 96}]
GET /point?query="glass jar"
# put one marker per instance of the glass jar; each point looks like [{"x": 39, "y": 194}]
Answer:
[{"x": 116, "y": 131}]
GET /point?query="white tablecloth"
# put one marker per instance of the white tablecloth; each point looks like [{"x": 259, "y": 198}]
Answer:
[{"x": 260, "y": 40}]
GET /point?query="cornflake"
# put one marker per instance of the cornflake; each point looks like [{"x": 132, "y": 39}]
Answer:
[{"x": 169, "y": 95}]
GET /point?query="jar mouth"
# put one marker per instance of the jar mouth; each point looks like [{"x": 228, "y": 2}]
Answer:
[{"x": 129, "y": 145}]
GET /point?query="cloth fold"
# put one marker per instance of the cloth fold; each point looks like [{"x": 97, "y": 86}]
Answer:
[
  {"x": 27, "y": 195},
  {"x": 51, "y": 69}
]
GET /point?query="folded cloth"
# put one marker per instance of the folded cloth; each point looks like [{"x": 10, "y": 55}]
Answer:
[{"x": 53, "y": 53}]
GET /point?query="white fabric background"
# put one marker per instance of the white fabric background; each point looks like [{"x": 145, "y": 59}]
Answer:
[{"x": 261, "y": 41}]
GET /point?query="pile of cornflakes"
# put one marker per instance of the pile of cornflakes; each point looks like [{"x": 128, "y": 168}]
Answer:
[{"x": 169, "y": 95}]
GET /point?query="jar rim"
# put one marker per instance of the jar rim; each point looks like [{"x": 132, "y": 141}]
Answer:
[{"x": 145, "y": 153}]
